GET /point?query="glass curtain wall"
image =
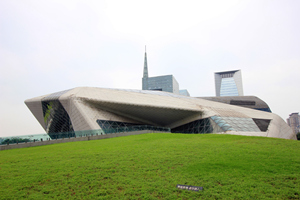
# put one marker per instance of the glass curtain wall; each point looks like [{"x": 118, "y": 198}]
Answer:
[
  {"x": 57, "y": 120},
  {"x": 228, "y": 87}
]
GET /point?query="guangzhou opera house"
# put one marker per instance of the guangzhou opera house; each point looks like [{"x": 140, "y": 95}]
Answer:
[{"x": 113, "y": 110}]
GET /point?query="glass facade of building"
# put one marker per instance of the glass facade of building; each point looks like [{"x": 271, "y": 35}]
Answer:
[
  {"x": 217, "y": 124},
  {"x": 228, "y": 87},
  {"x": 108, "y": 127},
  {"x": 198, "y": 126},
  {"x": 229, "y": 83},
  {"x": 163, "y": 83},
  {"x": 56, "y": 118},
  {"x": 236, "y": 124}
]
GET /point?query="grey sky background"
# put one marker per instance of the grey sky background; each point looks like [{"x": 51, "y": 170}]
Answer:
[{"x": 50, "y": 46}]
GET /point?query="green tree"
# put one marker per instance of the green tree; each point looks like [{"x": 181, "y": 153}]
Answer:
[{"x": 15, "y": 140}]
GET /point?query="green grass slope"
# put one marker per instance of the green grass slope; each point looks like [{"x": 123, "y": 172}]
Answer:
[{"x": 149, "y": 166}]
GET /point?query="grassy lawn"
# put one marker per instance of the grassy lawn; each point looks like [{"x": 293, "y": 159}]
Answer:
[{"x": 149, "y": 166}]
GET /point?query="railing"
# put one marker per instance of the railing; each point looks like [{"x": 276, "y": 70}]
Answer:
[
  {"x": 106, "y": 131},
  {"x": 72, "y": 134}
]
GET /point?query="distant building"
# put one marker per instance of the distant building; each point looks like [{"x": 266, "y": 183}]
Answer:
[
  {"x": 184, "y": 92},
  {"x": 294, "y": 122},
  {"x": 244, "y": 101},
  {"x": 166, "y": 83},
  {"x": 229, "y": 83}
]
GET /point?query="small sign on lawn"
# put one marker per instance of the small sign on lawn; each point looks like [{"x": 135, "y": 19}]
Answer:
[{"x": 189, "y": 187}]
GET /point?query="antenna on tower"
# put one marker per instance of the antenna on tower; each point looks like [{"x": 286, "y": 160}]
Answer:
[{"x": 145, "y": 49}]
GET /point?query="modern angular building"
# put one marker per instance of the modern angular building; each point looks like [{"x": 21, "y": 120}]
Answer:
[
  {"x": 229, "y": 83},
  {"x": 166, "y": 83},
  {"x": 106, "y": 111},
  {"x": 294, "y": 122}
]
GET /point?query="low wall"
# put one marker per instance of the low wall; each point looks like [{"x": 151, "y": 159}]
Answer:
[{"x": 73, "y": 139}]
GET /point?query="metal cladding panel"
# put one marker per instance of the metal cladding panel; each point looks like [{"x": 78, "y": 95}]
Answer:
[
  {"x": 66, "y": 98},
  {"x": 85, "y": 115},
  {"x": 159, "y": 116},
  {"x": 238, "y": 81},
  {"x": 279, "y": 129},
  {"x": 218, "y": 80},
  {"x": 97, "y": 112},
  {"x": 175, "y": 85},
  {"x": 257, "y": 103},
  {"x": 79, "y": 116},
  {"x": 147, "y": 98},
  {"x": 164, "y": 100},
  {"x": 35, "y": 106},
  {"x": 54, "y": 96}
]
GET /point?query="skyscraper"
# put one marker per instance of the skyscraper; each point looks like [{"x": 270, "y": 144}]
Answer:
[{"x": 229, "y": 83}]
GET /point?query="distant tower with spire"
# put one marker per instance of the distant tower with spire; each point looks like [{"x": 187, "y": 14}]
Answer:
[
  {"x": 166, "y": 83},
  {"x": 145, "y": 75}
]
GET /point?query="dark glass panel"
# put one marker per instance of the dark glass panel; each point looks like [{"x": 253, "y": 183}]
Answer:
[
  {"x": 158, "y": 89},
  {"x": 242, "y": 103},
  {"x": 112, "y": 126},
  {"x": 262, "y": 124},
  {"x": 198, "y": 126}
]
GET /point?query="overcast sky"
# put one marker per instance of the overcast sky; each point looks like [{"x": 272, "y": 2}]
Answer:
[{"x": 50, "y": 46}]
